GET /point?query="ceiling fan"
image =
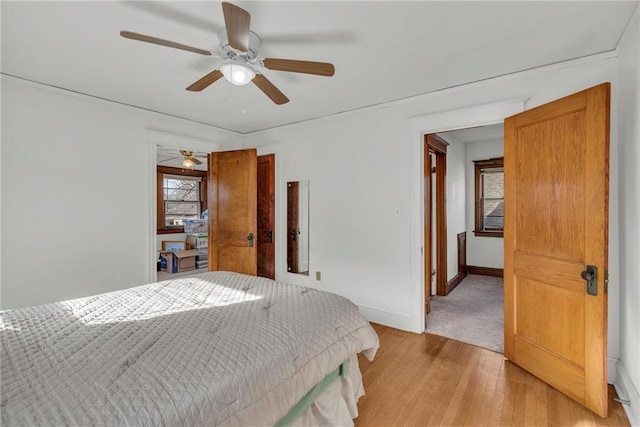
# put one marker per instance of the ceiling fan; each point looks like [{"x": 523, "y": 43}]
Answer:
[
  {"x": 189, "y": 160},
  {"x": 239, "y": 52}
]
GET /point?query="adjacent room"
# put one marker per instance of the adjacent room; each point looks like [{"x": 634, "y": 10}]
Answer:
[{"x": 319, "y": 213}]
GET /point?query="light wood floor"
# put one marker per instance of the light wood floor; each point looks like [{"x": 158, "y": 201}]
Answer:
[{"x": 427, "y": 380}]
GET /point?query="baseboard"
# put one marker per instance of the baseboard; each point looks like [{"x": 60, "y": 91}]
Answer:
[
  {"x": 485, "y": 271},
  {"x": 387, "y": 318},
  {"x": 451, "y": 284},
  {"x": 627, "y": 391},
  {"x": 611, "y": 369}
]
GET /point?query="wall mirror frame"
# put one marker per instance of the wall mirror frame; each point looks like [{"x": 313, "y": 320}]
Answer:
[{"x": 298, "y": 227}]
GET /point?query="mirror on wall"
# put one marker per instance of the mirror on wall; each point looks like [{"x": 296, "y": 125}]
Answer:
[{"x": 298, "y": 227}]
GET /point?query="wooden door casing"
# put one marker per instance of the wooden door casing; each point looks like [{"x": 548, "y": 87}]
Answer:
[
  {"x": 232, "y": 211},
  {"x": 293, "y": 226},
  {"x": 556, "y": 223},
  {"x": 266, "y": 216},
  {"x": 428, "y": 230}
]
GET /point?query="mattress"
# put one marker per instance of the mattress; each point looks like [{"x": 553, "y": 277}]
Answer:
[{"x": 218, "y": 348}]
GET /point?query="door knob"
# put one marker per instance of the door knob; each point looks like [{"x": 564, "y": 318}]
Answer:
[{"x": 590, "y": 275}]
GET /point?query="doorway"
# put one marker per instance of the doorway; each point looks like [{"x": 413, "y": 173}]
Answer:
[
  {"x": 181, "y": 209},
  {"x": 469, "y": 309}
]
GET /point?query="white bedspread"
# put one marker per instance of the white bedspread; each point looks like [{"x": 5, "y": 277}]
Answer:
[{"x": 215, "y": 349}]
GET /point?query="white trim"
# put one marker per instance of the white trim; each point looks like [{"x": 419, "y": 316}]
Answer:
[
  {"x": 611, "y": 369},
  {"x": 634, "y": 16},
  {"x": 480, "y": 115},
  {"x": 626, "y": 390},
  {"x": 395, "y": 320},
  {"x": 100, "y": 100},
  {"x": 176, "y": 140},
  {"x": 152, "y": 229}
]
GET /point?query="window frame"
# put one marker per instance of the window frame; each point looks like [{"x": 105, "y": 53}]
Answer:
[
  {"x": 161, "y": 171},
  {"x": 480, "y": 165}
]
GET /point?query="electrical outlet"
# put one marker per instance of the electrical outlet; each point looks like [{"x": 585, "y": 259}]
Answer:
[{"x": 318, "y": 275}]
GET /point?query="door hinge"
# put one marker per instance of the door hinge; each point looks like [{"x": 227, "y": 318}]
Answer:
[
  {"x": 606, "y": 281},
  {"x": 433, "y": 169}
]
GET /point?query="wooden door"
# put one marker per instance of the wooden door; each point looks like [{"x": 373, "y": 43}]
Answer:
[
  {"x": 556, "y": 217},
  {"x": 232, "y": 211},
  {"x": 266, "y": 216},
  {"x": 293, "y": 226}
]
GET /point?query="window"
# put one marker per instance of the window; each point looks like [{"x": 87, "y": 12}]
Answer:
[
  {"x": 489, "y": 197},
  {"x": 181, "y": 195}
]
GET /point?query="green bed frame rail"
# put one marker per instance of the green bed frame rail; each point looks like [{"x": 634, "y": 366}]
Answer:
[{"x": 308, "y": 399}]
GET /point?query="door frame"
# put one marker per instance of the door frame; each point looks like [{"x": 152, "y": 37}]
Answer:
[
  {"x": 438, "y": 146},
  {"x": 482, "y": 115}
]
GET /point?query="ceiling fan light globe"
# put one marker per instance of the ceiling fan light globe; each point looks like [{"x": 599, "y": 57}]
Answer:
[
  {"x": 188, "y": 163},
  {"x": 237, "y": 74}
]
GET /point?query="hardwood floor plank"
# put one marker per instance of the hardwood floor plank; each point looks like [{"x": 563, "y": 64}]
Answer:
[
  {"x": 432, "y": 387},
  {"x": 398, "y": 372},
  {"x": 486, "y": 396},
  {"x": 427, "y": 380},
  {"x": 453, "y": 414}
]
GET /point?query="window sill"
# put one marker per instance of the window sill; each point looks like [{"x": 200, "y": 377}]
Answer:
[
  {"x": 489, "y": 233},
  {"x": 176, "y": 230}
]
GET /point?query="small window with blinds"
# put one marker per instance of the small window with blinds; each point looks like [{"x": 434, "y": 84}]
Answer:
[
  {"x": 181, "y": 196},
  {"x": 489, "y": 203}
]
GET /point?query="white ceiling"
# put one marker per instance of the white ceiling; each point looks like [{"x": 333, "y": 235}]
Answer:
[{"x": 382, "y": 51}]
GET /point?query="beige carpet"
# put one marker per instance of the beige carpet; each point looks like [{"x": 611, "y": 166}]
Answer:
[{"x": 471, "y": 313}]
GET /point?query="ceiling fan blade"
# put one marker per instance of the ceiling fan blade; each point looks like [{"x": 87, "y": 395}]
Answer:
[
  {"x": 237, "y": 21},
  {"x": 206, "y": 81},
  {"x": 269, "y": 89},
  {"x": 196, "y": 161},
  {"x": 169, "y": 159},
  {"x": 162, "y": 42},
  {"x": 294, "y": 66}
]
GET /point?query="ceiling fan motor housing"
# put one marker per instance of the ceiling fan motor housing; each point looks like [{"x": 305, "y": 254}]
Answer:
[{"x": 230, "y": 53}]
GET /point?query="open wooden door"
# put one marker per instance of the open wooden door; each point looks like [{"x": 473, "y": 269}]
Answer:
[
  {"x": 556, "y": 235},
  {"x": 232, "y": 211}
]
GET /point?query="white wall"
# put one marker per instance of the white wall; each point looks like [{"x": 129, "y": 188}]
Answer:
[
  {"x": 481, "y": 251},
  {"x": 76, "y": 193},
  {"x": 358, "y": 175},
  {"x": 628, "y": 372},
  {"x": 456, "y": 203}
]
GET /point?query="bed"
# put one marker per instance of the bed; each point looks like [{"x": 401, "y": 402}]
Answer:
[{"x": 216, "y": 349}]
